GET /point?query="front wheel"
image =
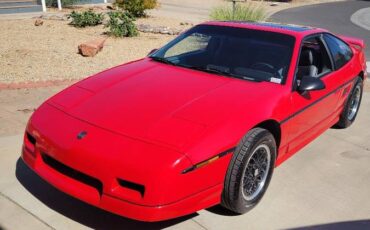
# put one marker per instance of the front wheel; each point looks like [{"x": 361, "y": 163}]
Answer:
[
  {"x": 352, "y": 105},
  {"x": 249, "y": 172}
]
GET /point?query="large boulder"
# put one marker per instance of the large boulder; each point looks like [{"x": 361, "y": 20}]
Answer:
[{"x": 91, "y": 48}]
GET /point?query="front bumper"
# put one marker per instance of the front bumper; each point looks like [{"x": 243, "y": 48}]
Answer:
[
  {"x": 118, "y": 206},
  {"x": 88, "y": 169}
]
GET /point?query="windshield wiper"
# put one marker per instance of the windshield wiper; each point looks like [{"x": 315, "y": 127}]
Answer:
[
  {"x": 162, "y": 60},
  {"x": 222, "y": 72},
  {"x": 211, "y": 70},
  {"x": 207, "y": 69}
]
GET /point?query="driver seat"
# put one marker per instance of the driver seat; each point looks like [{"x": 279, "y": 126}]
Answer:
[{"x": 306, "y": 66}]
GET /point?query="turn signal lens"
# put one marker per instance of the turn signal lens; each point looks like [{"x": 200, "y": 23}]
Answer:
[
  {"x": 29, "y": 143},
  {"x": 208, "y": 161}
]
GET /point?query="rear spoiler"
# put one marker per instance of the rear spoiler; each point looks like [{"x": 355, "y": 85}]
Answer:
[{"x": 356, "y": 42}]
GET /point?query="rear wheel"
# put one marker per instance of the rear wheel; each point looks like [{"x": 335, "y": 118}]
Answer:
[
  {"x": 352, "y": 105},
  {"x": 249, "y": 172}
]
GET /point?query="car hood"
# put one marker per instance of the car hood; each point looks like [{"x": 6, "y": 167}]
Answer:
[{"x": 157, "y": 102}]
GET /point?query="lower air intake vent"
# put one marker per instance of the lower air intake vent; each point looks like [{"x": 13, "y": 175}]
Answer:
[
  {"x": 133, "y": 186},
  {"x": 72, "y": 173}
]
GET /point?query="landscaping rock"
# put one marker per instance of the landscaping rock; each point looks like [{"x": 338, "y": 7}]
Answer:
[
  {"x": 56, "y": 17},
  {"x": 91, "y": 48},
  {"x": 145, "y": 28},
  {"x": 164, "y": 30},
  {"x": 39, "y": 22},
  {"x": 186, "y": 24},
  {"x": 105, "y": 21}
]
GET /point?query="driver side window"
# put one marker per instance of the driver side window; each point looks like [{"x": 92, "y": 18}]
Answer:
[{"x": 314, "y": 60}]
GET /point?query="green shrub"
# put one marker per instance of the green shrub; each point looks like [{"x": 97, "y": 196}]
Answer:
[
  {"x": 121, "y": 24},
  {"x": 243, "y": 12},
  {"x": 86, "y": 18},
  {"x": 136, "y": 7}
]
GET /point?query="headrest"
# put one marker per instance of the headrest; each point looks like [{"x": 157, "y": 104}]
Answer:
[{"x": 306, "y": 58}]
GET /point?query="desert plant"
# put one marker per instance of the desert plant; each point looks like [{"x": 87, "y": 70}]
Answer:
[
  {"x": 121, "y": 24},
  {"x": 136, "y": 7},
  {"x": 86, "y": 18},
  {"x": 242, "y": 12}
]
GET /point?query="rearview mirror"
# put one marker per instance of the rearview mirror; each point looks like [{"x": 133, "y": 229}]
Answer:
[
  {"x": 310, "y": 83},
  {"x": 152, "y": 51}
]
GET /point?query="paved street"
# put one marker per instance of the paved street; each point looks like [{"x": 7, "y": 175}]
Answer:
[
  {"x": 326, "y": 185},
  {"x": 335, "y": 17}
]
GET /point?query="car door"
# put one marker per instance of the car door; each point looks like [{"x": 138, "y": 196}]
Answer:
[{"x": 312, "y": 112}]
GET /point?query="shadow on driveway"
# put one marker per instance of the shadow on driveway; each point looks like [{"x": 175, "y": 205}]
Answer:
[
  {"x": 96, "y": 218},
  {"x": 79, "y": 211},
  {"x": 352, "y": 225}
]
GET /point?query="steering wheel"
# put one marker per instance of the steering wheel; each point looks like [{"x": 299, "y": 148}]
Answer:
[{"x": 263, "y": 67}]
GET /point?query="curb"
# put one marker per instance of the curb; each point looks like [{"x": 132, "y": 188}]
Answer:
[{"x": 361, "y": 18}]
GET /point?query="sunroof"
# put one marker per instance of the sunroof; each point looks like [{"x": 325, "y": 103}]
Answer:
[{"x": 276, "y": 25}]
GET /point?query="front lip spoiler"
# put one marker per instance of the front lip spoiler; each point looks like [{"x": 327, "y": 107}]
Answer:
[{"x": 186, "y": 206}]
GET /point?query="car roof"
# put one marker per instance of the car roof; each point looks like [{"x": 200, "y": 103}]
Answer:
[{"x": 295, "y": 30}]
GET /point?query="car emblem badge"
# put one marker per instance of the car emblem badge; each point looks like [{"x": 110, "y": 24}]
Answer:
[{"x": 81, "y": 135}]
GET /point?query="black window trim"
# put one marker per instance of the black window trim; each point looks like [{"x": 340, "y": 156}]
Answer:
[
  {"x": 331, "y": 55},
  {"x": 333, "y": 68},
  {"x": 320, "y": 35}
]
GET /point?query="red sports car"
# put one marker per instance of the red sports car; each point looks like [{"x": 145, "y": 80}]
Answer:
[{"x": 203, "y": 120}]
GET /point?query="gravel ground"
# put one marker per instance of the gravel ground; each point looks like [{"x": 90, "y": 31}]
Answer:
[{"x": 49, "y": 52}]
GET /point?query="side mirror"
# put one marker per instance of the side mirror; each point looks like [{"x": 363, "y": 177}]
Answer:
[
  {"x": 310, "y": 83},
  {"x": 152, "y": 51}
]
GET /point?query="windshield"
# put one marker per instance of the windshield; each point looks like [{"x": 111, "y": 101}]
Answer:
[{"x": 235, "y": 52}]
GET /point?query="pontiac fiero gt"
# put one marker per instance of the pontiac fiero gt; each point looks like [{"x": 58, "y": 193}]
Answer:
[{"x": 203, "y": 120}]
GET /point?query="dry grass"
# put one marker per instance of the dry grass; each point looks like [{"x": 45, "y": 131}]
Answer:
[{"x": 242, "y": 12}]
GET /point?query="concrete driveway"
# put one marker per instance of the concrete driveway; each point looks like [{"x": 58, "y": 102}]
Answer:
[{"x": 326, "y": 185}]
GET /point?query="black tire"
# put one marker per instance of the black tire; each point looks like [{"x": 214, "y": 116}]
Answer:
[
  {"x": 234, "y": 195},
  {"x": 347, "y": 117}
]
